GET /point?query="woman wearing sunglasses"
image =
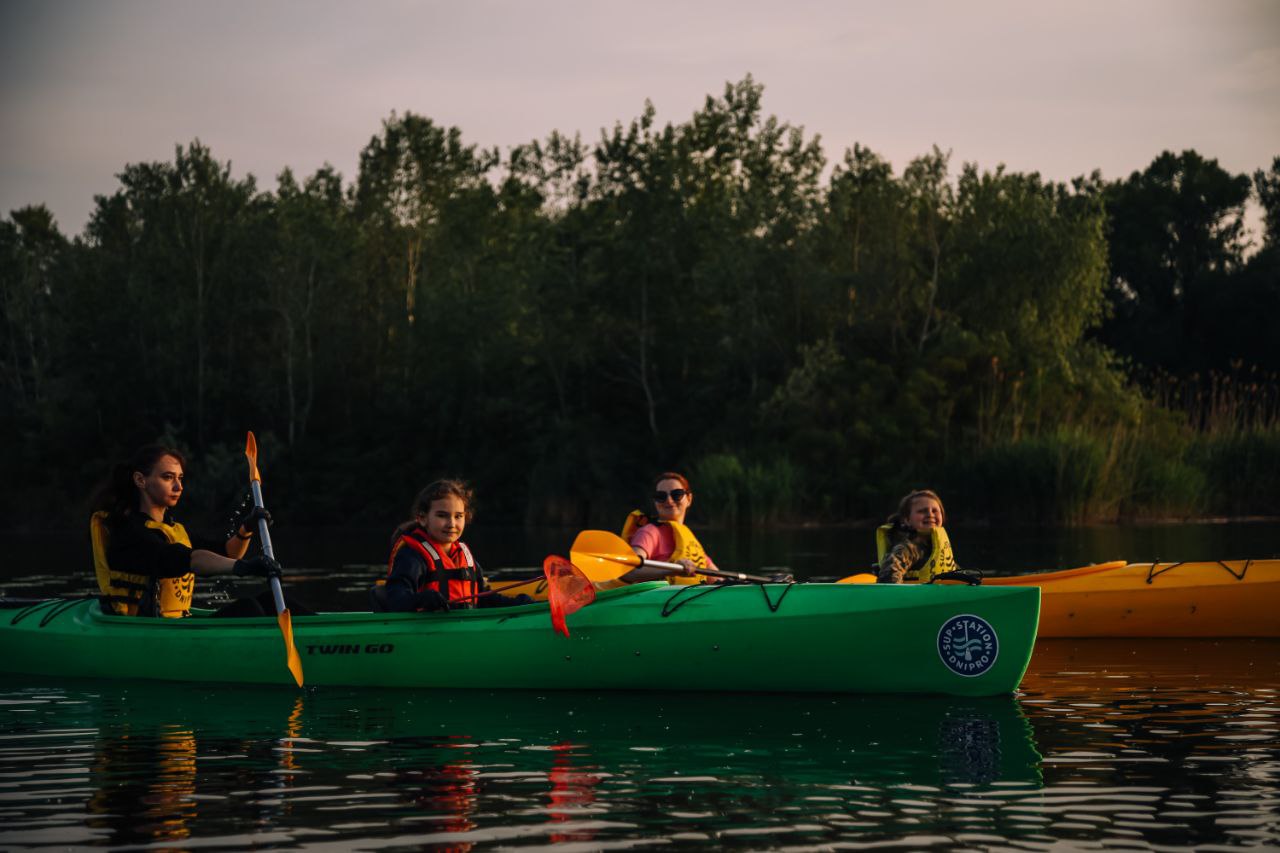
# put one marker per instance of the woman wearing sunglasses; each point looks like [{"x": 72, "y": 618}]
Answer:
[{"x": 663, "y": 536}]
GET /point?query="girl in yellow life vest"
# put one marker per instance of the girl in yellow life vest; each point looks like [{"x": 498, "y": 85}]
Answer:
[
  {"x": 912, "y": 545},
  {"x": 664, "y": 537},
  {"x": 145, "y": 561}
]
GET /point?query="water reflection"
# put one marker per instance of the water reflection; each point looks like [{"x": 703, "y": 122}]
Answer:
[
  {"x": 160, "y": 766},
  {"x": 1163, "y": 740},
  {"x": 144, "y": 786},
  {"x": 1150, "y": 744}
]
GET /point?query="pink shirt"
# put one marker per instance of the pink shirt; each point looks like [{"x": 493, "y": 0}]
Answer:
[{"x": 658, "y": 541}]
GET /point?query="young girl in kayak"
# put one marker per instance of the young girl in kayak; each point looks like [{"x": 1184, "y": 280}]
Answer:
[
  {"x": 912, "y": 545},
  {"x": 430, "y": 568},
  {"x": 145, "y": 561},
  {"x": 664, "y": 537}
]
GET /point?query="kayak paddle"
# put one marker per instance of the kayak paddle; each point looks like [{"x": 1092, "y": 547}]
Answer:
[
  {"x": 604, "y": 556},
  {"x": 264, "y": 535}
]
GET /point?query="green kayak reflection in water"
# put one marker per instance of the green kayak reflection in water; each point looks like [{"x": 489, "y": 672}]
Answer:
[{"x": 172, "y": 764}]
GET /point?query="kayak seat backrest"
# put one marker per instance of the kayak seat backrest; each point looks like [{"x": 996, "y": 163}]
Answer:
[{"x": 378, "y": 598}]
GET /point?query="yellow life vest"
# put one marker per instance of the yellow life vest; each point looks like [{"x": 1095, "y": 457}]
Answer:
[
  {"x": 124, "y": 591},
  {"x": 687, "y": 546},
  {"x": 940, "y": 557}
]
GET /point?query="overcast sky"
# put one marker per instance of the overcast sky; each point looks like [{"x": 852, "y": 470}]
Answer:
[{"x": 1059, "y": 88}]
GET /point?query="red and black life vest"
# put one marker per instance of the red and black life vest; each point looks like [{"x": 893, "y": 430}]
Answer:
[{"x": 450, "y": 572}]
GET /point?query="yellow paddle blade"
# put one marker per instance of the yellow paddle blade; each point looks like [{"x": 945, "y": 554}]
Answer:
[
  {"x": 286, "y": 629},
  {"x": 604, "y": 543},
  {"x": 601, "y": 567},
  {"x": 602, "y": 556},
  {"x": 251, "y": 453},
  {"x": 861, "y": 577}
]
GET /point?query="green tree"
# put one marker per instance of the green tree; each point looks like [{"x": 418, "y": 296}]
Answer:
[
  {"x": 930, "y": 199},
  {"x": 862, "y": 246},
  {"x": 410, "y": 176},
  {"x": 704, "y": 252},
  {"x": 1025, "y": 288},
  {"x": 311, "y": 258},
  {"x": 1176, "y": 234},
  {"x": 31, "y": 248},
  {"x": 174, "y": 239},
  {"x": 557, "y": 324},
  {"x": 1267, "y": 186}
]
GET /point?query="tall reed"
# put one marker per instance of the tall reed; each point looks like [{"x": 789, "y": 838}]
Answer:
[{"x": 761, "y": 492}]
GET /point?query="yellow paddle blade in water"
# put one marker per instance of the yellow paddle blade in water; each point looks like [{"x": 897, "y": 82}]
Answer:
[{"x": 291, "y": 651}]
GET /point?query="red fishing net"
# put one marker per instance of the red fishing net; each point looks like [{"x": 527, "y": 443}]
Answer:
[{"x": 568, "y": 590}]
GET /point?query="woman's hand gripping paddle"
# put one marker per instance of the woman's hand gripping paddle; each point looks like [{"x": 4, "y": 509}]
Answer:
[
  {"x": 264, "y": 536},
  {"x": 604, "y": 556}
]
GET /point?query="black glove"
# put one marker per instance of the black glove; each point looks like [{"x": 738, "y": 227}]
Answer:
[
  {"x": 249, "y": 521},
  {"x": 260, "y": 566},
  {"x": 246, "y": 515},
  {"x": 430, "y": 600}
]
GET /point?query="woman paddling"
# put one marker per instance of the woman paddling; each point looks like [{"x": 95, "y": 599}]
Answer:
[
  {"x": 146, "y": 562},
  {"x": 664, "y": 537},
  {"x": 912, "y": 544},
  {"x": 430, "y": 568}
]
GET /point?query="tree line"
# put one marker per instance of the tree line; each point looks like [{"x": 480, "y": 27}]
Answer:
[{"x": 559, "y": 322}]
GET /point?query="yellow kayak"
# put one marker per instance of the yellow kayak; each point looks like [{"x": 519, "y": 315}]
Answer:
[
  {"x": 1231, "y": 598},
  {"x": 535, "y": 588},
  {"x": 1225, "y": 598}
]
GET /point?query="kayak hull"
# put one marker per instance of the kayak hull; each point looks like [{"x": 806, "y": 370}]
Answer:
[
  {"x": 1233, "y": 598},
  {"x": 773, "y": 638}
]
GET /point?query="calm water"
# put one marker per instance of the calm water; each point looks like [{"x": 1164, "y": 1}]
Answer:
[
  {"x": 1150, "y": 745},
  {"x": 1156, "y": 744},
  {"x": 332, "y": 569}
]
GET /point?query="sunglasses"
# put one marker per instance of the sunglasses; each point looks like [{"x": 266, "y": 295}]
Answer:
[{"x": 677, "y": 495}]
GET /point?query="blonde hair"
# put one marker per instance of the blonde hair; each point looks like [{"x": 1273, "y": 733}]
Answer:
[{"x": 899, "y": 518}]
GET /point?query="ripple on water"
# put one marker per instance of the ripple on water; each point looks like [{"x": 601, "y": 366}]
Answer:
[{"x": 1161, "y": 757}]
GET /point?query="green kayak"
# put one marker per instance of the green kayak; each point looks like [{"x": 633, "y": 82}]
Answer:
[{"x": 839, "y": 638}]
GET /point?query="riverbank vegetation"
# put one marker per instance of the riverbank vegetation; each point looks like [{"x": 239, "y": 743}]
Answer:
[{"x": 559, "y": 321}]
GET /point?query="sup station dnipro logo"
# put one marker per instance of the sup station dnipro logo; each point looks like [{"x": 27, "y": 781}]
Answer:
[{"x": 968, "y": 644}]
